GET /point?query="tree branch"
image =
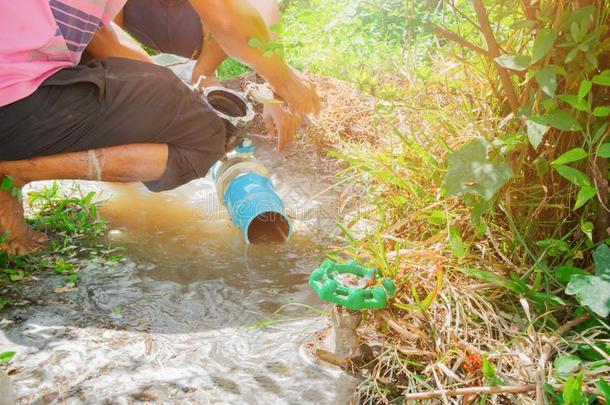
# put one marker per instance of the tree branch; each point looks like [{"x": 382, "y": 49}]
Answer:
[
  {"x": 440, "y": 31},
  {"x": 494, "y": 51},
  {"x": 529, "y": 10}
]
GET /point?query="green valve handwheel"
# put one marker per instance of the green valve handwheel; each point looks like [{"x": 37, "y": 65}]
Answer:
[{"x": 328, "y": 281}]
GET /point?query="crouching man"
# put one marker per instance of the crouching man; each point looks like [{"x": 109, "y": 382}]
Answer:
[{"x": 118, "y": 118}]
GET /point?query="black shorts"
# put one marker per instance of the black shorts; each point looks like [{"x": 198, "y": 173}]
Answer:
[
  {"x": 168, "y": 26},
  {"x": 115, "y": 102}
]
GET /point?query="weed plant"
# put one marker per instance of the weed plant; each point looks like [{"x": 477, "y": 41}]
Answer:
[
  {"x": 71, "y": 220},
  {"x": 485, "y": 200}
]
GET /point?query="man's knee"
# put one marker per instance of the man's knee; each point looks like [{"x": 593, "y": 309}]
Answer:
[{"x": 196, "y": 142}]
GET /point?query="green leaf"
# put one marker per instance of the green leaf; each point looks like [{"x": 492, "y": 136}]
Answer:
[
  {"x": 572, "y": 155},
  {"x": 572, "y": 391},
  {"x": 5, "y": 357},
  {"x": 579, "y": 15},
  {"x": 547, "y": 80},
  {"x": 571, "y": 55},
  {"x": 561, "y": 120},
  {"x": 602, "y": 79},
  {"x": 535, "y": 133},
  {"x": 604, "y": 150},
  {"x": 470, "y": 172},
  {"x": 564, "y": 365},
  {"x": 575, "y": 32},
  {"x": 601, "y": 258},
  {"x": 514, "y": 62},
  {"x": 591, "y": 58},
  {"x": 16, "y": 192},
  {"x": 591, "y": 352},
  {"x": 574, "y": 176},
  {"x": 4, "y": 236},
  {"x": 488, "y": 369},
  {"x": 255, "y": 43},
  {"x": 592, "y": 292},
  {"x": 599, "y": 133},
  {"x": 7, "y": 183},
  {"x": 601, "y": 111},
  {"x": 437, "y": 217},
  {"x": 587, "y": 228},
  {"x": 560, "y": 70},
  {"x": 584, "y": 195},
  {"x": 564, "y": 273},
  {"x": 458, "y": 248},
  {"x": 490, "y": 277},
  {"x": 573, "y": 100},
  {"x": 584, "y": 88},
  {"x": 554, "y": 247},
  {"x": 542, "y": 43},
  {"x": 277, "y": 28},
  {"x": 604, "y": 387},
  {"x": 523, "y": 24}
]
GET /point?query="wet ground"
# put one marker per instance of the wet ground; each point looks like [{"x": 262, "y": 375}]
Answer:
[{"x": 176, "y": 320}]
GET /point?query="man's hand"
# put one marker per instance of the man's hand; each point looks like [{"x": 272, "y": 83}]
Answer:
[
  {"x": 299, "y": 93},
  {"x": 281, "y": 122}
]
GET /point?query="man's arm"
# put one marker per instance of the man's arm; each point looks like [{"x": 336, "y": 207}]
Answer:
[
  {"x": 233, "y": 23},
  {"x": 112, "y": 41},
  {"x": 212, "y": 54}
]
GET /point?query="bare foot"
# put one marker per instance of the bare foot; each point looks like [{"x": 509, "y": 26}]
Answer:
[{"x": 21, "y": 238}]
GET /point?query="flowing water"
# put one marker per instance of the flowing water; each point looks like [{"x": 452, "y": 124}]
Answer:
[{"x": 175, "y": 321}]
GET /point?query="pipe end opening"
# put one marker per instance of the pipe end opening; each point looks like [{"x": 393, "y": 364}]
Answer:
[
  {"x": 268, "y": 228},
  {"x": 227, "y": 103}
]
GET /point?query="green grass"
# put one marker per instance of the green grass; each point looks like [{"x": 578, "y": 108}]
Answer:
[
  {"x": 344, "y": 39},
  {"x": 231, "y": 68},
  {"x": 340, "y": 39},
  {"x": 436, "y": 248},
  {"x": 71, "y": 221}
]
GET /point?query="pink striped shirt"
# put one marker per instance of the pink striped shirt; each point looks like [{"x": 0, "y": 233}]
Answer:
[{"x": 40, "y": 37}]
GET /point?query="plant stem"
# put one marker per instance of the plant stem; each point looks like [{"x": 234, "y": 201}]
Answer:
[
  {"x": 505, "y": 389},
  {"x": 494, "y": 52}
]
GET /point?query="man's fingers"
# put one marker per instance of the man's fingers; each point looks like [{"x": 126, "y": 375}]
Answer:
[
  {"x": 287, "y": 133},
  {"x": 296, "y": 124},
  {"x": 312, "y": 104},
  {"x": 270, "y": 126},
  {"x": 281, "y": 139}
]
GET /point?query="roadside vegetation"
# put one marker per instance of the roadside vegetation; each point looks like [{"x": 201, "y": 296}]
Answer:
[
  {"x": 482, "y": 189},
  {"x": 480, "y": 186}
]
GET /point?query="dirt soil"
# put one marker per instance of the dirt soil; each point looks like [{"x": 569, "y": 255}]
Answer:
[{"x": 346, "y": 116}]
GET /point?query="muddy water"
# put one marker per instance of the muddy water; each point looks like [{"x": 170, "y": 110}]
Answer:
[{"x": 173, "y": 322}]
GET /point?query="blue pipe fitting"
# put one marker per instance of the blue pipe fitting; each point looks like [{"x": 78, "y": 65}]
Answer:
[
  {"x": 257, "y": 210},
  {"x": 241, "y": 182}
]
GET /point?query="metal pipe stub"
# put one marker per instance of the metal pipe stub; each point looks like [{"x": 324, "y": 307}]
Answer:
[
  {"x": 230, "y": 105},
  {"x": 234, "y": 110}
]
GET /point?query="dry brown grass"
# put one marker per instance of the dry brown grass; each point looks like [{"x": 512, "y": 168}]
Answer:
[
  {"x": 441, "y": 347},
  {"x": 347, "y": 115}
]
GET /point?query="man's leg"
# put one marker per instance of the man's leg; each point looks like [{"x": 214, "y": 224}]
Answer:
[
  {"x": 117, "y": 120},
  {"x": 127, "y": 163}
]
